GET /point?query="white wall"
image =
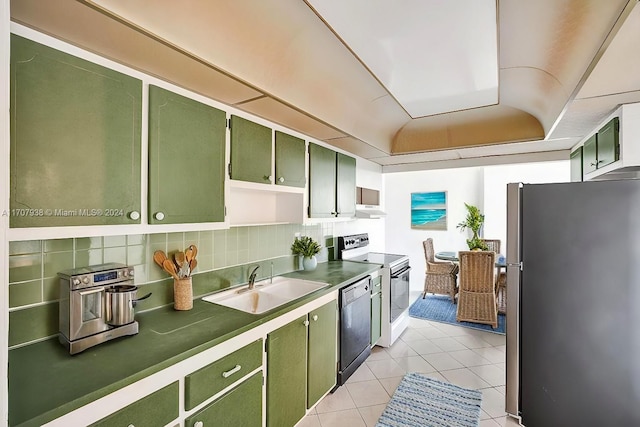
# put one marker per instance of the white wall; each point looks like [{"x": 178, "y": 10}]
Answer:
[
  {"x": 462, "y": 185},
  {"x": 496, "y": 179},
  {"x": 484, "y": 187}
]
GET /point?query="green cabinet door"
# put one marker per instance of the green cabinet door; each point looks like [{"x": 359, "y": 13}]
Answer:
[
  {"x": 590, "y": 154},
  {"x": 376, "y": 317},
  {"x": 242, "y": 406},
  {"x": 575, "y": 162},
  {"x": 75, "y": 140},
  {"x": 186, "y": 159},
  {"x": 608, "y": 143},
  {"x": 346, "y": 186},
  {"x": 287, "y": 374},
  {"x": 322, "y": 359},
  {"x": 157, "y": 409},
  {"x": 322, "y": 182},
  {"x": 250, "y": 151},
  {"x": 290, "y": 157}
]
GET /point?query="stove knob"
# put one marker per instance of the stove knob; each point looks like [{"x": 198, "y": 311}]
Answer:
[
  {"x": 85, "y": 280},
  {"x": 75, "y": 282},
  {"x": 131, "y": 273},
  {"x": 125, "y": 273}
]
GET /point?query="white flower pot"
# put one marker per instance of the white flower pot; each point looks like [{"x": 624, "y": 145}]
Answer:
[{"x": 310, "y": 263}]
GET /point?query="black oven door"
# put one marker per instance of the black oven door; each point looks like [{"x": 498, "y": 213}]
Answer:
[{"x": 399, "y": 292}]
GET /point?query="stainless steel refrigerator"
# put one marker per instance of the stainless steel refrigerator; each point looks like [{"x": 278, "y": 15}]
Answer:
[{"x": 573, "y": 309}]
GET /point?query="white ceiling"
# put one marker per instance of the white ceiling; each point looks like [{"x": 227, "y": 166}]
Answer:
[
  {"x": 409, "y": 84},
  {"x": 402, "y": 44}
]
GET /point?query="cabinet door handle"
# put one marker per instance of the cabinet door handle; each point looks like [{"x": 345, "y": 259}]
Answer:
[
  {"x": 159, "y": 216},
  {"x": 231, "y": 372},
  {"x": 198, "y": 424},
  {"x": 315, "y": 317},
  {"x": 306, "y": 323},
  {"x": 134, "y": 215},
  {"x": 281, "y": 179}
]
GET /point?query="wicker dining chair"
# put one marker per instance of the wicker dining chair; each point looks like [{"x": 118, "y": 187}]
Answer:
[
  {"x": 501, "y": 280},
  {"x": 440, "y": 276},
  {"x": 492, "y": 245},
  {"x": 476, "y": 294}
]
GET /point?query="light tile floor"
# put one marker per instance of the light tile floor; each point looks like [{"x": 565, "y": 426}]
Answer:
[{"x": 467, "y": 357}]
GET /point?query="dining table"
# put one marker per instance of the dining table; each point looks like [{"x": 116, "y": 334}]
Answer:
[{"x": 501, "y": 262}]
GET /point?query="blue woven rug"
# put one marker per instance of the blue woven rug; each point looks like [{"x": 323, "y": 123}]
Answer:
[
  {"x": 439, "y": 308},
  {"x": 420, "y": 401}
]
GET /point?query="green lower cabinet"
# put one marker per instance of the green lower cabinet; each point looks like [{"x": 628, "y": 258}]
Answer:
[
  {"x": 186, "y": 159},
  {"x": 322, "y": 352},
  {"x": 287, "y": 374},
  {"x": 242, "y": 406},
  {"x": 157, "y": 409},
  {"x": 376, "y": 317}
]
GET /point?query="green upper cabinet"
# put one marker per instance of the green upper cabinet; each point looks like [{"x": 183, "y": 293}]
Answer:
[
  {"x": 290, "y": 156},
  {"x": 75, "y": 140},
  {"x": 590, "y": 154},
  {"x": 322, "y": 182},
  {"x": 608, "y": 143},
  {"x": 346, "y": 186},
  {"x": 186, "y": 159},
  {"x": 575, "y": 161},
  {"x": 287, "y": 374},
  {"x": 332, "y": 183},
  {"x": 322, "y": 351},
  {"x": 250, "y": 151}
]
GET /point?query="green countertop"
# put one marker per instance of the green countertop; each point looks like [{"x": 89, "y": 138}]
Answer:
[{"x": 45, "y": 382}]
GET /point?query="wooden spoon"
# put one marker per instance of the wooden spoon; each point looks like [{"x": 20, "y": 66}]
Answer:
[
  {"x": 159, "y": 257},
  {"x": 188, "y": 254},
  {"x": 194, "y": 251},
  {"x": 192, "y": 265},
  {"x": 170, "y": 268},
  {"x": 179, "y": 259}
]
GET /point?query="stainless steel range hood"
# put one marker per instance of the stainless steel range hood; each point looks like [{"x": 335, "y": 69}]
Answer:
[{"x": 368, "y": 211}]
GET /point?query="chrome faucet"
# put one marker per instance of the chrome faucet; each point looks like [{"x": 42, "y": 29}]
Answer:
[{"x": 252, "y": 277}]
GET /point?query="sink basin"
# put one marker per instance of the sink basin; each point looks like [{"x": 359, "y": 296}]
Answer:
[{"x": 266, "y": 295}]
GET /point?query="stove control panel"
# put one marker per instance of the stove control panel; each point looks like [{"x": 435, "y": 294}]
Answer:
[{"x": 352, "y": 242}]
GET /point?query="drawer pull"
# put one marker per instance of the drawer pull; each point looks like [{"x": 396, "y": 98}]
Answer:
[
  {"x": 198, "y": 424},
  {"x": 231, "y": 372}
]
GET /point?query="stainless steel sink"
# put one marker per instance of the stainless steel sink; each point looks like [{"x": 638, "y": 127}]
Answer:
[{"x": 266, "y": 295}]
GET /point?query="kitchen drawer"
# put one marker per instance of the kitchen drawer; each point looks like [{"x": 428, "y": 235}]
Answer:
[
  {"x": 376, "y": 284},
  {"x": 242, "y": 406},
  {"x": 205, "y": 382},
  {"x": 157, "y": 409}
]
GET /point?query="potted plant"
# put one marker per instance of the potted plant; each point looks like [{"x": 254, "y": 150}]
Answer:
[
  {"x": 306, "y": 247},
  {"x": 473, "y": 221}
]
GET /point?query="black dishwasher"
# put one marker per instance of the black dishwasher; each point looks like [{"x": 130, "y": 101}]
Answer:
[{"x": 355, "y": 327}]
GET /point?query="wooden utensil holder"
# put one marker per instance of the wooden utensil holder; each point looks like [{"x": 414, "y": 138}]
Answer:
[{"x": 182, "y": 294}]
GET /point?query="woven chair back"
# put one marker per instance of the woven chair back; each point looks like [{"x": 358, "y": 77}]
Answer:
[
  {"x": 477, "y": 269},
  {"x": 492, "y": 245},
  {"x": 429, "y": 253}
]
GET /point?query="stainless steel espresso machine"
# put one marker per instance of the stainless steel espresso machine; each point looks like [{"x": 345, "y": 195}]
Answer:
[{"x": 96, "y": 305}]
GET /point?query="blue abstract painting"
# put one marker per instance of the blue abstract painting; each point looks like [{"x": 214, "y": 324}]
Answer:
[{"x": 429, "y": 210}]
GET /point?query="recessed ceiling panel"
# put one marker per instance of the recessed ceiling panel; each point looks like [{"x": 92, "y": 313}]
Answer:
[{"x": 433, "y": 56}]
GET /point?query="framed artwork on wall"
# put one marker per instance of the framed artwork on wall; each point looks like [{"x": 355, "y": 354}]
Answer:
[{"x": 429, "y": 210}]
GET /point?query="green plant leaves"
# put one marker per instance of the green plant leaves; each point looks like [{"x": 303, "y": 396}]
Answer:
[{"x": 305, "y": 246}]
